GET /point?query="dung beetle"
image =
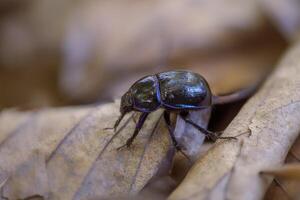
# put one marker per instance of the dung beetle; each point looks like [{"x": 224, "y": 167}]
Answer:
[{"x": 174, "y": 91}]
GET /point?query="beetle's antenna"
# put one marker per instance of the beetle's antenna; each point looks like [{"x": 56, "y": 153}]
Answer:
[{"x": 118, "y": 121}]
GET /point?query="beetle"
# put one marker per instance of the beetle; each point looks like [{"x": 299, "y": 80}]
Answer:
[{"x": 174, "y": 91}]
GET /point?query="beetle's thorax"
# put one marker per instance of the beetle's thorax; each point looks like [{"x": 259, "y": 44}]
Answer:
[{"x": 145, "y": 94}]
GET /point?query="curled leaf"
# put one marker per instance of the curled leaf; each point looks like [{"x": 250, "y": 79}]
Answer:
[{"x": 230, "y": 170}]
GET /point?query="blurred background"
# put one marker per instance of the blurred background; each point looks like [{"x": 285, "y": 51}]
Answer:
[{"x": 63, "y": 52}]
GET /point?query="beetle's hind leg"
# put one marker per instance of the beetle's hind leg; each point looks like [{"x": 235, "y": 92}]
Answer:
[
  {"x": 209, "y": 134},
  {"x": 175, "y": 143},
  {"x": 136, "y": 130}
]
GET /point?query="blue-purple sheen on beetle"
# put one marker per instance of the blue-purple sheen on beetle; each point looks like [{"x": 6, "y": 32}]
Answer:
[{"x": 174, "y": 91}]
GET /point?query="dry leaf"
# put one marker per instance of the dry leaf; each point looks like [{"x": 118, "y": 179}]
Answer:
[
  {"x": 288, "y": 171},
  {"x": 230, "y": 170},
  {"x": 80, "y": 158}
]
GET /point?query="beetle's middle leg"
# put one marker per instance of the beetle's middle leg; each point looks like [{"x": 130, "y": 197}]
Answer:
[
  {"x": 168, "y": 122},
  {"x": 136, "y": 130},
  {"x": 212, "y": 135}
]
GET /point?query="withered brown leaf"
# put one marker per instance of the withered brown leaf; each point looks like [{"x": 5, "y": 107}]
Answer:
[
  {"x": 79, "y": 158},
  {"x": 287, "y": 182},
  {"x": 289, "y": 171}
]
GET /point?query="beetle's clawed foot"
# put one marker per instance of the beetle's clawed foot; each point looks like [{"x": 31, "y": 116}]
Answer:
[
  {"x": 127, "y": 145},
  {"x": 122, "y": 147},
  {"x": 179, "y": 149}
]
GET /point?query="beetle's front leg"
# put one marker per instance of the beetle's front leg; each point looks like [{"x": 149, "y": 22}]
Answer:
[
  {"x": 211, "y": 135},
  {"x": 136, "y": 130}
]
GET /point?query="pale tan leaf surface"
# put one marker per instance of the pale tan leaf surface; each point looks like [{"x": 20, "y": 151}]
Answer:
[
  {"x": 230, "y": 170},
  {"x": 29, "y": 132},
  {"x": 30, "y": 179},
  {"x": 9, "y": 120},
  {"x": 77, "y": 157},
  {"x": 35, "y": 133}
]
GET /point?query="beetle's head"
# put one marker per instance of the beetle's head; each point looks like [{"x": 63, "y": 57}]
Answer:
[
  {"x": 126, "y": 103},
  {"x": 126, "y": 106}
]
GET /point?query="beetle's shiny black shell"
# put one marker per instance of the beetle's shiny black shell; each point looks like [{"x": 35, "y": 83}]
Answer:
[
  {"x": 172, "y": 90},
  {"x": 183, "y": 89}
]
